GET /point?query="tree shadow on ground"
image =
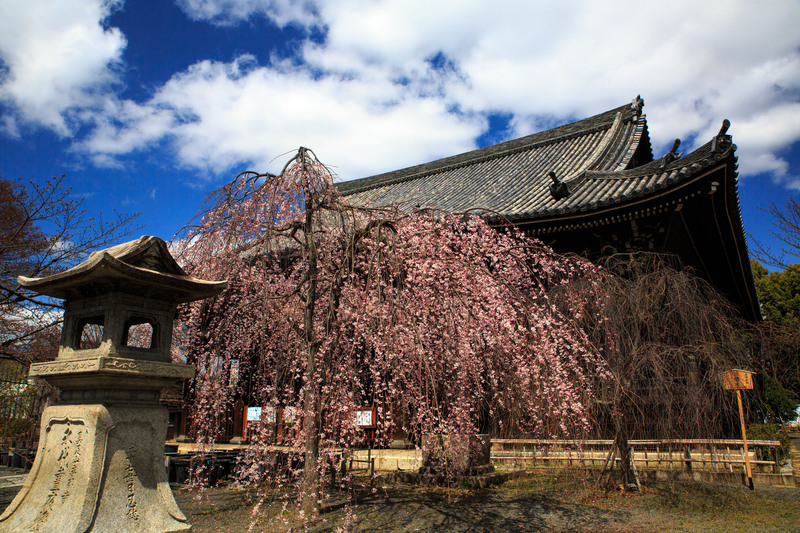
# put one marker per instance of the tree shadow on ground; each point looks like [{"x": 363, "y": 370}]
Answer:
[{"x": 475, "y": 512}]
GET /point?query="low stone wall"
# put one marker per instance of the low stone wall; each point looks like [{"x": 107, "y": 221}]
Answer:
[
  {"x": 410, "y": 460},
  {"x": 668, "y": 455},
  {"x": 11, "y": 480},
  {"x": 390, "y": 460}
]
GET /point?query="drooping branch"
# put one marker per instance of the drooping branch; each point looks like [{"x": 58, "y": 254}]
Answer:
[{"x": 667, "y": 337}]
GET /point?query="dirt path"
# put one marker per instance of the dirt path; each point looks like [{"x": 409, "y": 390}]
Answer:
[
  {"x": 558, "y": 503},
  {"x": 422, "y": 511}
]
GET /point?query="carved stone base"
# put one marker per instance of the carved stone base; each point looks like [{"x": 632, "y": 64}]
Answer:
[{"x": 100, "y": 469}]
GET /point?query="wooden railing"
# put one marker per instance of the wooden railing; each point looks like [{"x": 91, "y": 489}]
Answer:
[{"x": 724, "y": 455}]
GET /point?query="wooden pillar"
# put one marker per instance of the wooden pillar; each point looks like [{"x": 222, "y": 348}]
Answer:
[
  {"x": 238, "y": 422},
  {"x": 744, "y": 440}
]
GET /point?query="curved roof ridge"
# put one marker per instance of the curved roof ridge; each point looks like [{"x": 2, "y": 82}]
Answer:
[
  {"x": 565, "y": 132},
  {"x": 597, "y": 153},
  {"x": 701, "y": 153},
  {"x": 135, "y": 266}
]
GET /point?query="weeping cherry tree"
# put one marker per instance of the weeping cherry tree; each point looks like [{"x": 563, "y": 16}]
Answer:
[{"x": 447, "y": 326}]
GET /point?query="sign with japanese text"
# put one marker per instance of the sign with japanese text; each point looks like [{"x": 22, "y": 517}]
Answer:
[
  {"x": 737, "y": 380},
  {"x": 365, "y": 417}
]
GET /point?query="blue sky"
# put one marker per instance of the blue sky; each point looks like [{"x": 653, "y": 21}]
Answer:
[{"x": 146, "y": 105}]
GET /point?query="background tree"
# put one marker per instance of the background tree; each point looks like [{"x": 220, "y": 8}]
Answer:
[
  {"x": 778, "y": 292},
  {"x": 43, "y": 229},
  {"x": 667, "y": 336},
  {"x": 778, "y": 356},
  {"x": 780, "y": 405},
  {"x": 786, "y": 229},
  {"x": 443, "y": 324},
  {"x": 778, "y": 346}
]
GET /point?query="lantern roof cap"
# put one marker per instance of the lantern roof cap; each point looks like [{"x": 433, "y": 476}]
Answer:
[{"x": 143, "y": 267}]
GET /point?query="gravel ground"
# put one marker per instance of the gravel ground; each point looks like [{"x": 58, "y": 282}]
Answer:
[{"x": 533, "y": 503}]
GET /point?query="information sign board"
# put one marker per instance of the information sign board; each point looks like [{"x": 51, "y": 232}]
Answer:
[
  {"x": 253, "y": 414},
  {"x": 737, "y": 380}
]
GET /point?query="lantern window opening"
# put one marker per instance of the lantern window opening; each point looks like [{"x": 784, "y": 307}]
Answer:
[
  {"x": 89, "y": 332},
  {"x": 140, "y": 332}
]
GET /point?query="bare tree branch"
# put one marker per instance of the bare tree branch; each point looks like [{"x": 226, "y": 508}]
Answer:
[{"x": 44, "y": 229}]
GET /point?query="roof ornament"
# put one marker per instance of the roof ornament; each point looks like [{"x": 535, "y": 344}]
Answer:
[
  {"x": 637, "y": 103},
  {"x": 672, "y": 155},
  {"x": 558, "y": 188},
  {"x": 722, "y": 141}
]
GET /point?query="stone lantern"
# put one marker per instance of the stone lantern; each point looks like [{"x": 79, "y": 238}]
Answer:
[{"x": 100, "y": 462}]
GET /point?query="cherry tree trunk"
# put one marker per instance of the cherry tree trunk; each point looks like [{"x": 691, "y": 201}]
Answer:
[{"x": 311, "y": 399}]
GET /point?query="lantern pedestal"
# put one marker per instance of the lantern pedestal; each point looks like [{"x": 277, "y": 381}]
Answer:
[
  {"x": 100, "y": 462},
  {"x": 98, "y": 468}
]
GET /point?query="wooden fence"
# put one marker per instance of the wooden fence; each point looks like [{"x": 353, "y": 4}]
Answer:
[
  {"x": 725, "y": 455},
  {"x": 19, "y": 409}
]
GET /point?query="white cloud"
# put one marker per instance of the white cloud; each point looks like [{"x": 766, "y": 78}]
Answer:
[
  {"x": 398, "y": 82},
  {"x": 759, "y": 136},
  {"x": 540, "y": 62},
  {"x": 9, "y": 126},
  {"x": 122, "y": 127},
  {"x": 57, "y": 57},
  {"x": 227, "y": 12},
  {"x": 693, "y": 62},
  {"x": 226, "y": 114}
]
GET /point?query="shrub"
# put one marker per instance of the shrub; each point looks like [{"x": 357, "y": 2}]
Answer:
[{"x": 771, "y": 432}]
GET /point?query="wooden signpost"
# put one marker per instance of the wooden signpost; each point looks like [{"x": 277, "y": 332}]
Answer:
[{"x": 738, "y": 380}]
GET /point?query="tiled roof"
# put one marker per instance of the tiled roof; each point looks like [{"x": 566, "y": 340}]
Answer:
[
  {"x": 512, "y": 179},
  {"x": 594, "y": 172}
]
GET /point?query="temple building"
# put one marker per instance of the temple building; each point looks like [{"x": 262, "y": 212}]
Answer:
[
  {"x": 590, "y": 188},
  {"x": 593, "y": 188}
]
